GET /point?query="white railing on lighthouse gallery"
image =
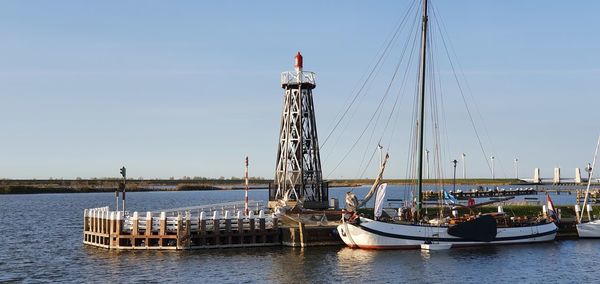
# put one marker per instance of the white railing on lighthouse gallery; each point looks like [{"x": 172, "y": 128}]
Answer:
[{"x": 293, "y": 77}]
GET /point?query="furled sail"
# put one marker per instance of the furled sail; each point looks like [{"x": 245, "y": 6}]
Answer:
[
  {"x": 352, "y": 203},
  {"x": 379, "y": 199}
]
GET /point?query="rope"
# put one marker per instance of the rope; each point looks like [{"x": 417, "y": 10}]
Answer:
[{"x": 441, "y": 27}]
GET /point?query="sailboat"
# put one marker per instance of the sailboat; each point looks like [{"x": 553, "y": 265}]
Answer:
[
  {"x": 473, "y": 230},
  {"x": 590, "y": 229}
]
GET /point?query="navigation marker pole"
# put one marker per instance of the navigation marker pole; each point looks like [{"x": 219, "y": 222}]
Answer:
[
  {"x": 123, "y": 185},
  {"x": 117, "y": 198},
  {"x": 246, "y": 202}
]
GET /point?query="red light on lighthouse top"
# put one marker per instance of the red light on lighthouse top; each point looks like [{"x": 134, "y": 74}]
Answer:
[{"x": 298, "y": 60}]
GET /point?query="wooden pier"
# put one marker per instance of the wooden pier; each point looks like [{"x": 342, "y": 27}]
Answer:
[
  {"x": 183, "y": 231},
  {"x": 311, "y": 229},
  {"x": 593, "y": 198},
  {"x": 431, "y": 195}
]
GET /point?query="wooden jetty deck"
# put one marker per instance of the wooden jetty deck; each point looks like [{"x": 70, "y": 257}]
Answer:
[
  {"x": 316, "y": 228},
  {"x": 182, "y": 231},
  {"x": 431, "y": 195}
]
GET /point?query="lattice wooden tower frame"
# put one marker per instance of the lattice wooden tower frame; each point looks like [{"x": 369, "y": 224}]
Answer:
[{"x": 298, "y": 176}]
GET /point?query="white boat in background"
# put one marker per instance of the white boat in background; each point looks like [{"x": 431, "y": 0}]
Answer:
[
  {"x": 590, "y": 229},
  {"x": 414, "y": 231}
]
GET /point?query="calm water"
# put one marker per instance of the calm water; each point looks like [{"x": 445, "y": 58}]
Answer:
[{"x": 41, "y": 242}]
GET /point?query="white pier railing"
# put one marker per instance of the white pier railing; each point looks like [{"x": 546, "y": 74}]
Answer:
[{"x": 190, "y": 227}]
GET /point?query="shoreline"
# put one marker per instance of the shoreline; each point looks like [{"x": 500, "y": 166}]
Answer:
[{"x": 34, "y": 186}]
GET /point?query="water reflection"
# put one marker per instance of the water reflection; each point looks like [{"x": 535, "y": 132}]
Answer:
[
  {"x": 425, "y": 254},
  {"x": 348, "y": 256},
  {"x": 45, "y": 246}
]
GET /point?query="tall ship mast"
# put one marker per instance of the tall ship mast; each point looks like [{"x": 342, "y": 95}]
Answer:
[
  {"x": 421, "y": 120},
  {"x": 413, "y": 228}
]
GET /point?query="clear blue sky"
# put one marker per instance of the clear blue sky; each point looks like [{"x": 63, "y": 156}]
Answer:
[{"x": 190, "y": 87}]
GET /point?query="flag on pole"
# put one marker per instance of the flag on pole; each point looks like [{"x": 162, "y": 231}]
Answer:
[
  {"x": 449, "y": 197},
  {"x": 551, "y": 209}
]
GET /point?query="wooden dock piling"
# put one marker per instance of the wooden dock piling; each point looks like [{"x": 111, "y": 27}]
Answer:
[{"x": 179, "y": 231}]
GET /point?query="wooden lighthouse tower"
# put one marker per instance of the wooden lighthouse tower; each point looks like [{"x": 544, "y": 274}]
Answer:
[{"x": 298, "y": 176}]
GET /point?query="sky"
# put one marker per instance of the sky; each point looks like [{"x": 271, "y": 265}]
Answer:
[{"x": 189, "y": 88}]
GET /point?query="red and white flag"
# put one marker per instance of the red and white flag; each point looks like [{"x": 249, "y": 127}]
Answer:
[{"x": 551, "y": 209}]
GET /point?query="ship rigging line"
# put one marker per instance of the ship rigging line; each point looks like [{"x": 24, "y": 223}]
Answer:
[
  {"x": 442, "y": 31},
  {"x": 399, "y": 96},
  {"x": 377, "y": 109},
  {"x": 371, "y": 73}
]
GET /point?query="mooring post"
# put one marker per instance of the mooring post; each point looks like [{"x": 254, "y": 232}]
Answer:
[
  {"x": 240, "y": 229},
  {"x": 162, "y": 224},
  {"x": 93, "y": 221},
  {"x": 201, "y": 224},
  {"x": 107, "y": 221},
  {"x": 93, "y": 225},
  {"x": 86, "y": 226},
  {"x": 100, "y": 221},
  {"x": 135, "y": 224},
  {"x": 148, "y": 225},
  {"x": 240, "y": 226},
  {"x": 227, "y": 221},
  {"x": 216, "y": 227},
  {"x": 202, "y": 228},
  {"x": 104, "y": 222},
  {"x": 228, "y": 227},
  {"x": 180, "y": 232},
  {"x": 301, "y": 229},
  {"x": 112, "y": 230},
  {"x": 252, "y": 224},
  {"x": 262, "y": 226},
  {"x": 118, "y": 228},
  {"x": 188, "y": 229}
]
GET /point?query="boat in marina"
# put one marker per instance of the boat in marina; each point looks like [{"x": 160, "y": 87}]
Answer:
[
  {"x": 590, "y": 229},
  {"x": 486, "y": 229},
  {"x": 413, "y": 228}
]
